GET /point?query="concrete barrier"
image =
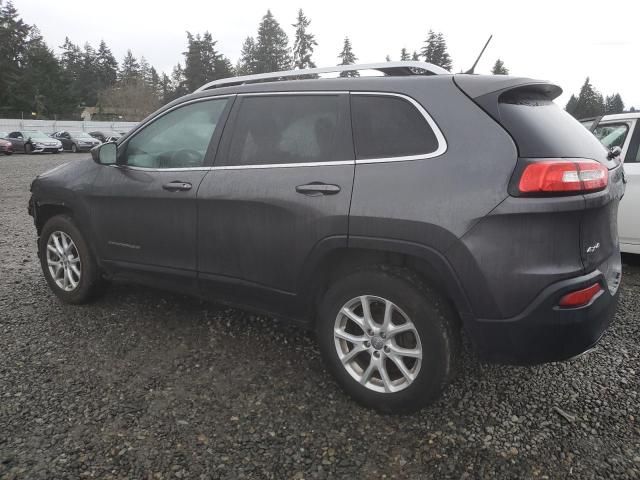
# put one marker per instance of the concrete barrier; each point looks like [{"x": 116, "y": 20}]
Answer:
[{"x": 51, "y": 126}]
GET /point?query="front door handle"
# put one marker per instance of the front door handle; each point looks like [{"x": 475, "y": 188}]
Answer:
[
  {"x": 318, "y": 188},
  {"x": 177, "y": 186}
]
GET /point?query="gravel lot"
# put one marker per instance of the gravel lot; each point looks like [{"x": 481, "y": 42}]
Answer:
[{"x": 145, "y": 384}]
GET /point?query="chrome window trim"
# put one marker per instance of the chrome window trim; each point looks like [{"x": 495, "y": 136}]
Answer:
[
  {"x": 442, "y": 143},
  {"x": 285, "y": 165}
]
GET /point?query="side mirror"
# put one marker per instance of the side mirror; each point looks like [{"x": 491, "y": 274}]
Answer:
[
  {"x": 105, "y": 154},
  {"x": 613, "y": 153}
]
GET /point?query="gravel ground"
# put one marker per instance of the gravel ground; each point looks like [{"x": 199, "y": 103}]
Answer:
[{"x": 145, "y": 384}]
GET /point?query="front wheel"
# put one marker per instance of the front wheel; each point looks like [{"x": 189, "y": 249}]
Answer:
[
  {"x": 390, "y": 341},
  {"x": 68, "y": 264},
  {"x": 74, "y": 148},
  {"x": 28, "y": 149}
]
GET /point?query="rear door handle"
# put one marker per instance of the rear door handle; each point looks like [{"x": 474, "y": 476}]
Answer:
[
  {"x": 318, "y": 188},
  {"x": 177, "y": 186}
]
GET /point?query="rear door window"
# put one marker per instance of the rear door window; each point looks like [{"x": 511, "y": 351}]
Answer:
[
  {"x": 290, "y": 129},
  {"x": 389, "y": 126}
]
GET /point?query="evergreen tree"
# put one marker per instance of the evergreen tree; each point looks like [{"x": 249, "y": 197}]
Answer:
[
  {"x": 632, "y": 109},
  {"x": 404, "y": 55},
  {"x": 387, "y": 58},
  {"x": 165, "y": 89},
  {"x": 129, "y": 70},
  {"x": 13, "y": 44},
  {"x": 571, "y": 105},
  {"x": 271, "y": 49},
  {"x": 347, "y": 57},
  {"x": 589, "y": 103},
  {"x": 178, "y": 81},
  {"x": 203, "y": 63},
  {"x": 40, "y": 86},
  {"x": 303, "y": 43},
  {"x": 107, "y": 66},
  {"x": 247, "y": 62},
  {"x": 614, "y": 104},
  {"x": 415, "y": 57},
  {"x": 499, "y": 68},
  {"x": 144, "y": 72},
  {"x": 435, "y": 50}
]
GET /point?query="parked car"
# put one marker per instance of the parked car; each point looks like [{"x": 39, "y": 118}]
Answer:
[
  {"x": 386, "y": 213},
  {"x": 33, "y": 141},
  {"x": 5, "y": 145},
  {"x": 106, "y": 136},
  {"x": 623, "y": 131},
  {"x": 76, "y": 141}
]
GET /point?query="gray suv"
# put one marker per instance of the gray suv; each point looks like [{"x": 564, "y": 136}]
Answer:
[{"x": 387, "y": 213}]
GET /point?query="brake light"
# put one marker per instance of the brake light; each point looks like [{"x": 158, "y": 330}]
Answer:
[
  {"x": 580, "y": 298},
  {"x": 563, "y": 176}
]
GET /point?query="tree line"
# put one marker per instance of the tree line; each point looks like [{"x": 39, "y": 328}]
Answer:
[
  {"x": 591, "y": 103},
  {"x": 33, "y": 79}
]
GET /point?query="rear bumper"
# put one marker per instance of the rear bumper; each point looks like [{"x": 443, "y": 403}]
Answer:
[{"x": 546, "y": 333}]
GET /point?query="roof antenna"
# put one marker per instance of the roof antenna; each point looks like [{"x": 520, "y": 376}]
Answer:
[{"x": 470, "y": 71}]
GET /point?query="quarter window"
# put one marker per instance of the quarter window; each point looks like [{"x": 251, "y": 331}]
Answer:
[
  {"x": 178, "y": 139},
  {"x": 280, "y": 129},
  {"x": 387, "y": 126}
]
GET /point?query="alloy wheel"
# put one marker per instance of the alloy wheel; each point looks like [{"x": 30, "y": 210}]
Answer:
[
  {"x": 63, "y": 260},
  {"x": 378, "y": 344}
]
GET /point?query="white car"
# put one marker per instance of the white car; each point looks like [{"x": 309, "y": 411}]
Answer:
[{"x": 623, "y": 130}]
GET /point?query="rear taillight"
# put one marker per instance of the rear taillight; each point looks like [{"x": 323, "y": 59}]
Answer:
[
  {"x": 563, "y": 176},
  {"x": 580, "y": 298}
]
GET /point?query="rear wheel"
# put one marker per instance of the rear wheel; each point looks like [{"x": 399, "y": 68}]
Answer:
[
  {"x": 390, "y": 341},
  {"x": 68, "y": 264}
]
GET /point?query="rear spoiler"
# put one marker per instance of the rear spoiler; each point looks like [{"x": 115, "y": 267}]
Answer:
[{"x": 488, "y": 91}]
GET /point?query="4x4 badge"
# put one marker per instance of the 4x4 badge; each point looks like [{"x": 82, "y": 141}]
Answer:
[{"x": 593, "y": 248}]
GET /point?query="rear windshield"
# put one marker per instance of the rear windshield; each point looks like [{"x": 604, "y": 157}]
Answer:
[{"x": 542, "y": 129}]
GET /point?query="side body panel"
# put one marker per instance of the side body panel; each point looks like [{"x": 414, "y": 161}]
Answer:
[
  {"x": 434, "y": 201},
  {"x": 256, "y": 231}
]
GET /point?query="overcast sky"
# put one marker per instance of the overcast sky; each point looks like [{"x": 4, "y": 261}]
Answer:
[{"x": 561, "y": 41}]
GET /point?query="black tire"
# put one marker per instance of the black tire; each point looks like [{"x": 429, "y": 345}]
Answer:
[
  {"x": 91, "y": 282},
  {"x": 8, "y": 153},
  {"x": 434, "y": 320},
  {"x": 74, "y": 148},
  {"x": 28, "y": 149}
]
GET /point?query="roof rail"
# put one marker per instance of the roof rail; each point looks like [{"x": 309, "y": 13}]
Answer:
[{"x": 388, "y": 68}]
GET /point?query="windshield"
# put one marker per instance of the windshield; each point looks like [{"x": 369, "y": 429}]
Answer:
[
  {"x": 36, "y": 134},
  {"x": 612, "y": 134},
  {"x": 81, "y": 135}
]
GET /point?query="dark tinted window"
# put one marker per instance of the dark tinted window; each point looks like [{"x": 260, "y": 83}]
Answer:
[
  {"x": 277, "y": 129},
  {"x": 542, "y": 129},
  {"x": 386, "y": 126}
]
